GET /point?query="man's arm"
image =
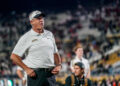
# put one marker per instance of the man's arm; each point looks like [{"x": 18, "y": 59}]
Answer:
[
  {"x": 16, "y": 59},
  {"x": 57, "y": 61}
]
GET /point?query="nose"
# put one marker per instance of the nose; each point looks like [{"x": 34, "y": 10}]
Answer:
[{"x": 41, "y": 20}]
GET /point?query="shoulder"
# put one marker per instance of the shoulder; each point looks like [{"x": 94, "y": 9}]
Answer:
[
  {"x": 68, "y": 78},
  {"x": 72, "y": 62},
  {"x": 85, "y": 60},
  {"x": 26, "y": 35},
  {"x": 48, "y": 32},
  {"x": 74, "y": 59},
  {"x": 68, "y": 81}
]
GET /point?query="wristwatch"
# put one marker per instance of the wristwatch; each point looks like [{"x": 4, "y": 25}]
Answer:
[{"x": 59, "y": 65}]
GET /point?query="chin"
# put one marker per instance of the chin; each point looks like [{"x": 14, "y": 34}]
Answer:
[{"x": 76, "y": 74}]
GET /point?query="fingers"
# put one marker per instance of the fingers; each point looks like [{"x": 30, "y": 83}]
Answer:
[
  {"x": 32, "y": 74},
  {"x": 57, "y": 68},
  {"x": 55, "y": 72}
]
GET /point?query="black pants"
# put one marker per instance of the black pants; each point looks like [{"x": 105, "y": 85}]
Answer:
[{"x": 43, "y": 78}]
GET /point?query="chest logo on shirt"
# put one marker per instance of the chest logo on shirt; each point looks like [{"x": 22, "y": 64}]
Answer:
[{"x": 34, "y": 40}]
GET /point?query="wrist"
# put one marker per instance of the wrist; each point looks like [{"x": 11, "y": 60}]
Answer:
[{"x": 58, "y": 65}]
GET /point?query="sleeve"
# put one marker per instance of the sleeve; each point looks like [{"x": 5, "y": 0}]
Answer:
[
  {"x": 21, "y": 47},
  {"x": 88, "y": 65},
  {"x": 68, "y": 81},
  {"x": 71, "y": 65},
  {"x": 55, "y": 47},
  {"x": 19, "y": 68}
]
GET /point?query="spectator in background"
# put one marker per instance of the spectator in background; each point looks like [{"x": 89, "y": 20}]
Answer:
[
  {"x": 22, "y": 75},
  {"x": 78, "y": 49},
  {"x": 78, "y": 79}
]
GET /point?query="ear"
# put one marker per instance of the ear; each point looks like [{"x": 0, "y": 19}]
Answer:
[
  {"x": 32, "y": 22},
  {"x": 82, "y": 71}
]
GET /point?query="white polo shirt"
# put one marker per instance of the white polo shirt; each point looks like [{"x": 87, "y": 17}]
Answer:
[
  {"x": 38, "y": 48},
  {"x": 83, "y": 60}
]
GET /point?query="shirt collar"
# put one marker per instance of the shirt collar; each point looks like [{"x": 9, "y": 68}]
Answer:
[
  {"x": 81, "y": 78},
  {"x": 78, "y": 58},
  {"x": 35, "y": 33}
]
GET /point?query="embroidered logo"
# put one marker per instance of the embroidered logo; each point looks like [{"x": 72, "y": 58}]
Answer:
[{"x": 34, "y": 40}]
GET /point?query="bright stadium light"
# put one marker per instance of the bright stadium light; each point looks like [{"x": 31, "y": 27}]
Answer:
[{"x": 10, "y": 83}]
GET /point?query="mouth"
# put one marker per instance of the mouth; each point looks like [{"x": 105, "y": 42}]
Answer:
[{"x": 39, "y": 29}]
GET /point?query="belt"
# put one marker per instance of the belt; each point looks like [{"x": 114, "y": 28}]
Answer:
[{"x": 43, "y": 69}]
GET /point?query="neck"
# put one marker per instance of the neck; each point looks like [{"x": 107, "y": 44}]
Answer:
[
  {"x": 80, "y": 57},
  {"x": 38, "y": 30},
  {"x": 80, "y": 76}
]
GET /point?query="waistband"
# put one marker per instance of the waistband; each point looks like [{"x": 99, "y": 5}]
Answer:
[{"x": 44, "y": 69}]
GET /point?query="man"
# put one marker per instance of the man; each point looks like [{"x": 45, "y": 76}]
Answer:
[
  {"x": 22, "y": 75},
  {"x": 42, "y": 60},
  {"x": 78, "y": 79},
  {"x": 78, "y": 49}
]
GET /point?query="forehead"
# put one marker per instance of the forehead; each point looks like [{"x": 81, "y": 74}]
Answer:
[
  {"x": 79, "y": 48},
  {"x": 40, "y": 17},
  {"x": 76, "y": 66}
]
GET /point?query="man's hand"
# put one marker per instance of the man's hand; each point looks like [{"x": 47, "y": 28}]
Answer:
[
  {"x": 30, "y": 72},
  {"x": 56, "y": 69}
]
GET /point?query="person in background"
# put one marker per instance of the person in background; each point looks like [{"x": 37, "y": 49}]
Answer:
[
  {"x": 22, "y": 75},
  {"x": 78, "y": 49},
  {"x": 78, "y": 78}
]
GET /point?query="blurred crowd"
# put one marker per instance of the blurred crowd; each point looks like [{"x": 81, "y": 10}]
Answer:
[{"x": 97, "y": 29}]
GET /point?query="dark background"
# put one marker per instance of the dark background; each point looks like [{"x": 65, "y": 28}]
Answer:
[{"x": 48, "y": 5}]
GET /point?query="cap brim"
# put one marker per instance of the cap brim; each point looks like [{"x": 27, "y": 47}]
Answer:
[
  {"x": 38, "y": 15},
  {"x": 80, "y": 65}
]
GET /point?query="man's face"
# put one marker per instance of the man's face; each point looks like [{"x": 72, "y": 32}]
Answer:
[
  {"x": 78, "y": 71},
  {"x": 38, "y": 23},
  {"x": 79, "y": 52}
]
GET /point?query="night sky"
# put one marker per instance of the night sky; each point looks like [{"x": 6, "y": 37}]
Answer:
[{"x": 50, "y": 5}]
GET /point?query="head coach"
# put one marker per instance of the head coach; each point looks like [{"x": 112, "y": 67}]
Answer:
[{"x": 42, "y": 60}]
